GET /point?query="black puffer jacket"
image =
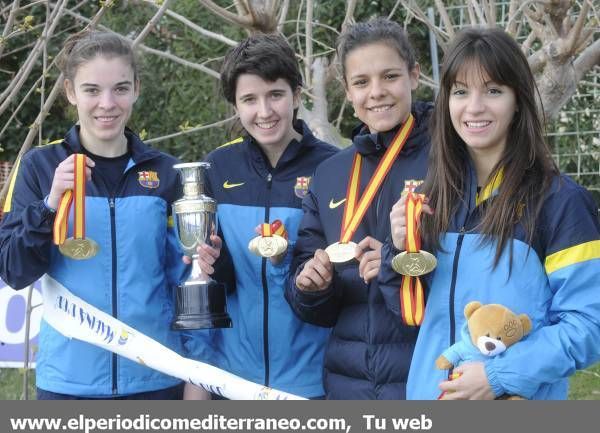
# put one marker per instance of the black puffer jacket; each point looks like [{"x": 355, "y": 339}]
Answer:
[{"x": 369, "y": 351}]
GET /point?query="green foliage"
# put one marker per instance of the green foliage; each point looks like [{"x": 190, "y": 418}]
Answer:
[
  {"x": 11, "y": 383},
  {"x": 174, "y": 97},
  {"x": 585, "y": 384}
]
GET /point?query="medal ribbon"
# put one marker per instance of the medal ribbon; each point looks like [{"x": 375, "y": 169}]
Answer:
[
  {"x": 265, "y": 230},
  {"x": 412, "y": 295},
  {"x": 77, "y": 197},
  {"x": 353, "y": 211},
  {"x": 277, "y": 228}
]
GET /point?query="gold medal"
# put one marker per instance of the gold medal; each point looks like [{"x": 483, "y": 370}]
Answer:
[
  {"x": 341, "y": 252},
  {"x": 253, "y": 245},
  {"x": 272, "y": 241},
  {"x": 269, "y": 246},
  {"x": 355, "y": 208},
  {"x": 414, "y": 264},
  {"x": 79, "y": 249}
]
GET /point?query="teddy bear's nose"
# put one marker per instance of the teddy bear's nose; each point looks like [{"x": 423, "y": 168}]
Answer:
[{"x": 490, "y": 346}]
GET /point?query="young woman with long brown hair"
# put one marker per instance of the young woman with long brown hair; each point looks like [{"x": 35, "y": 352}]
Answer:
[{"x": 506, "y": 228}]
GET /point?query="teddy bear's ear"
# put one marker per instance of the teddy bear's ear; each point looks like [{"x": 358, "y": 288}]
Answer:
[
  {"x": 526, "y": 323},
  {"x": 471, "y": 307}
]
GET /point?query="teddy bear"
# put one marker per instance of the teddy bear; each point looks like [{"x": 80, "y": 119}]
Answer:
[{"x": 490, "y": 330}]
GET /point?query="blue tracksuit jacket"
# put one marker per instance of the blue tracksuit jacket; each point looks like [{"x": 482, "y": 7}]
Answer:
[
  {"x": 555, "y": 280},
  {"x": 369, "y": 351},
  {"x": 130, "y": 278},
  {"x": 267, "y": 344}
]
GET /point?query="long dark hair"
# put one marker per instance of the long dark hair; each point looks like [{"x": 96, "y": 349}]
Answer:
[{"x": 526, "y": 162}]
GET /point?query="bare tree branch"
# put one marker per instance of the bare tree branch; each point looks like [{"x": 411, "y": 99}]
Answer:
[
  {"x": 45, "y": 109},
  {"x": 393, "y": 11},
  {"x": 283, "y": 15},
  {"x": 572, "y": 38},
  {"x": 21, "y": 104},
  {"x": 491, "y": 13},
  {"x": 190, "y": 130},
  {"x": 197, "y": 28},
  {"x": 511, "y": 25},
  {"x": 349, "y": 16},
  {"x": 472, "y": 15},
  {"x": 441, "y": 36},
  {"x": 445, "y": 18},
  {"x": 308, "y": 42},
  {"x": 588, "y": 58},
  {"x": 150, "y": 25},
  {"x": 9, "y": 24},
  {"x": 181, "y": 61},
  {"x": 242, "y": 21},
  {"x": 16, "y": 84}
]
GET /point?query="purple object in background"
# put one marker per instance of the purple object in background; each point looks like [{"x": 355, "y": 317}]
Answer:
[{"x": 12, "y": 324}]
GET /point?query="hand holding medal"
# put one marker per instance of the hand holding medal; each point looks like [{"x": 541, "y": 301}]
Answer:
[
  {"x": 77, "y": 247},
  {"x": 355, "y": 209},
  {"x": 271, "y": 242},
  {"x": 413, "y": 262}
]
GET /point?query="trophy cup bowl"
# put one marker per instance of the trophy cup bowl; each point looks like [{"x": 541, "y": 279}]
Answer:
[{"x": 200, "y": 300}]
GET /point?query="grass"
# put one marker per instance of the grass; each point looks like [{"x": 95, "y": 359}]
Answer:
[
  {"x": 585, "y": 384},
  {"x": 11, "y": 384}
]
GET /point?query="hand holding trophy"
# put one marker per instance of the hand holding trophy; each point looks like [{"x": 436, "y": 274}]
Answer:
[{"x": 200, "y": 301}]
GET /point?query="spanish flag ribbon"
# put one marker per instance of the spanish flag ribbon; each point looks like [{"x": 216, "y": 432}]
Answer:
[
  {"x": 354, "y": 209},
  {"x": 412, "y": 294},
  {"x": 265, "y": 230},
  {"x": 77, "y": 197},
  {"x": 277, "y": 228}
]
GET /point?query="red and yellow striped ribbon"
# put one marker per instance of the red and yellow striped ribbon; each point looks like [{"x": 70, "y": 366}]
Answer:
[
  {"x": 77, "y": 197},
  {"x": 277, "y": 228},
  {"x": 265, "y": 230},
  {"x": 353, "y": 211},
  {"x": 412, "y": 294}
]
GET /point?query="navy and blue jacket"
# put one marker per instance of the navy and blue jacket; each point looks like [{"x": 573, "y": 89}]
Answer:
[
  {"x": 268, "y": 344},
  {"x": 555, "y": 280},
  {"x": 131, "y": 277},
  {"x": 369, "y": 351}
]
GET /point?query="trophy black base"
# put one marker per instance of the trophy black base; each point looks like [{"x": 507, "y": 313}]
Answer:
[{"x": 201, "y": 306}]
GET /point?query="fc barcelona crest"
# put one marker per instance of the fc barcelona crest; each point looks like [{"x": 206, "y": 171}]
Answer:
[
  {"x": 410, "y": 185},
  {"x": 301, "y": 187},
  {"x": 148, "y": 179}
]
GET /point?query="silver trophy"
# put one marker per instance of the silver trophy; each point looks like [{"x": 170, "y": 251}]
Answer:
[{"x": 200, "y": 301}]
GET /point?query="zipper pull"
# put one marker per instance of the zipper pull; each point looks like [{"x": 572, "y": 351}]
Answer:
[
  {"x": 111, "y": 202},
  {"x": 269, "y": 177}
]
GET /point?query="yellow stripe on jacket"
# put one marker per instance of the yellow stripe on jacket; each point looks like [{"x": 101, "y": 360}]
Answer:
[{"x": 575, "y": 254}]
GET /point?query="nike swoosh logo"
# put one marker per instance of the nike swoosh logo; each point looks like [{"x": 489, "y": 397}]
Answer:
[
  {"x": 228, "y": 185},
  {"x": 334, "y": 204}
]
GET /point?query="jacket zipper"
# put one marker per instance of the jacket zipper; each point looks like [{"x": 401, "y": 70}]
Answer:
[
  {"x": 266, "y": 289},
  {"x": 453, "y": 284},
  {"x": 113, "y": 240}
]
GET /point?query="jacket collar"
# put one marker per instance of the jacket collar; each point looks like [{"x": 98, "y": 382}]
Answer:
[
  {"x": 367, "y": 143},
  {"x": 140, "y": 152},
  {"x": 291, "y": 152},
  {"x": 475, "y": 196}
]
